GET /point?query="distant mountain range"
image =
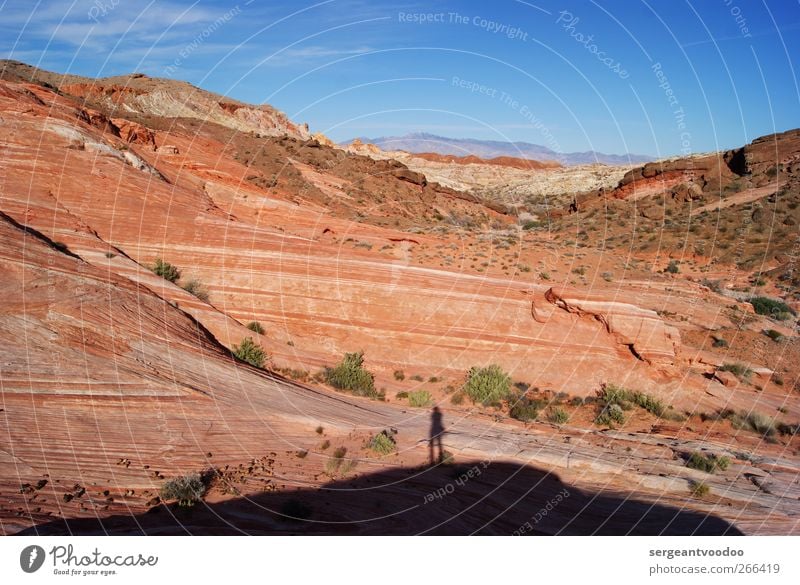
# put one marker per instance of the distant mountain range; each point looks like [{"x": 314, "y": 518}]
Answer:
[{"x": 423, "y": 142}]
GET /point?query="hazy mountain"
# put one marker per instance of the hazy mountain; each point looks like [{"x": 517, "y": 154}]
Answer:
[{"x": 423, "y": 142}]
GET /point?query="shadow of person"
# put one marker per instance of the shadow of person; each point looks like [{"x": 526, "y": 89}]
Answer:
[{"x": 435, "y": 438}]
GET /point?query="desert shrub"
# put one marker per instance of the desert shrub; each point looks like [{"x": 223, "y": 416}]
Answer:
[
  {"x": 351, "y": 376},
  {"x": 255, "y": 327},
  {"x": 558, "y": 416},
  {"x": 707, "y": 463},
  {"x": 738, "y": 370},
  {"x": 186, "y": 489},
  {"x": 487, "y": 385},
  {"x": 249, "y": 351},
  {"x": 789, "y": 430},
  {"x": 399, "y": 375},
  {"x": 771, "y": 308},
  {"x": 166, "y": 270},
  {"x": 719, "y": 342},
  {"x": 672, "y": 267},
  {"x": 525, "y": 408},
  {"x": 319, "y": 430},
  {"x": 417, "y": 378},
  {"x": 775, "y": 336},
  {"x": 401, "y": 395},
  {"x": 649, "y": 403},
  {"x": 196, "y": 288},
  {"x": 325, "y": 444},
  {"x": 339, "y": 452},
  {"x": 457, "y": 398},
  {"x": 760, "y": 423},
  {"x": 610, "y": 414},
  {"x": 382, "y": 443},
  {"x": 699, "y": 489},
  {"x": 420, "y": 398}
]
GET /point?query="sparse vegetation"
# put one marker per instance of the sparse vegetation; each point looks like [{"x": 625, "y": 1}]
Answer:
[
  {"x": 741, "y": 371},
  {"x": 420, "y": 398},
  {"x": 382, "y": 443},
  {"x": 399, "y": 375},
  {"x": 772, "y": 308},
  {"x": 624, "y": 399},
  {"x": 699, "y": 489},
  {"x": 707, "y": 463},
  {"x": 255, "y": 327},
  {"x": 196, "y": 288},
  {"x": 457, "y": 398},
  {"x": 350, "y": 375},
  {"x": 186, "y": 489},
  {"x": 525, "y": 409},
  {"x": 672, "y": 267},
  {"x": 488, "y": 385},
  {"x": 166, "y": 270},
  {"x": 557, "y": 415},
  {"x": 775, "y": 336},
  {"x": 249, "y": 351}
]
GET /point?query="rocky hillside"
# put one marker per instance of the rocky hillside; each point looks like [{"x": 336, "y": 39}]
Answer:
[{"x": 115, "y": 379}]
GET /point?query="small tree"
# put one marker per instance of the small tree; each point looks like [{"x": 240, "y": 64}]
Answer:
[
  {"x": 249, "y": 351},
  {"x": 487, "y": 385},
  {"x": 166, "y": 270}
]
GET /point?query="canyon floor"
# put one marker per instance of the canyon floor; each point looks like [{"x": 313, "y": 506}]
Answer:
[{"x": 571, "y": 279}]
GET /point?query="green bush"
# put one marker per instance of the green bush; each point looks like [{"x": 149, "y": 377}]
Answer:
[
  {"x": 772, "y": 308},
  {"x": 487, "y": 385},
  {"x": 255, "y": 327},
  {"x": 186, "y": 489},
  {"x": 351, "y": 376},
  {"x": 775, "y": 336},
  {"x": 625, "y": 399},
  {"x": 196, "y": 288},
  {"x": 707, "y": 463},
  {"x": 557, "y": 415},
  {"x": 401, "y": 395},
  {"x": 382, "y": 443},
  {"x": 610, "y": 414},
  {"x": 249, "y": 351},
  {"x": 166, "y": 270},
  {"x": 399, "y": 375},
  {"x": 699, "y": 489},
  {"x": 524, "y": 408},
  {"x": 420, "y": 398},
  {"x": 761, "y": 424},
  {"x": 738, "y": 370},
  {"x": 672, "y": 267}
]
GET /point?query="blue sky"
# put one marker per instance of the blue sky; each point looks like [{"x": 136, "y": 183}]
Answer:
[{"x": 642, "y": 76}]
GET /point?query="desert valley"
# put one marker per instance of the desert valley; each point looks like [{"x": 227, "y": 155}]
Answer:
[{"x": 214, "y": 321}]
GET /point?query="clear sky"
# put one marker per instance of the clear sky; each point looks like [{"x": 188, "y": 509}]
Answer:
[{"x": 641, "y": 76}]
